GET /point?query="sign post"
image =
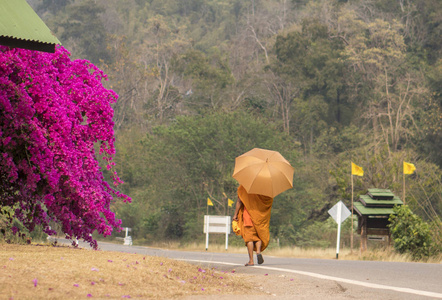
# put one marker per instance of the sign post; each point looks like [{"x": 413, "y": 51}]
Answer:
[
  {"x": 216, "y": 224},
  {"x": 339, "y": 213}
]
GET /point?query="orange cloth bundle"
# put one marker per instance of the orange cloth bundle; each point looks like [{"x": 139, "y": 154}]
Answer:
[{"x": 247, "y": 219}]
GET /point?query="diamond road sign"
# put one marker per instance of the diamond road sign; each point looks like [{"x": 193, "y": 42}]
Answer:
[{"x": 339, "y": 217}]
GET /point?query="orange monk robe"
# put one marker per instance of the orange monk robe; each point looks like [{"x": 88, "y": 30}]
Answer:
[{"x": 259, "y": 208}]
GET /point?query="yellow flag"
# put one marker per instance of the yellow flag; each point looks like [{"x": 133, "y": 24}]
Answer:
[
  {"x": 409, "y": 168},
  {"x": 209, "y": 202},
  {"x": 356, "y": 170},
  {"x": 230, "y": 202}
]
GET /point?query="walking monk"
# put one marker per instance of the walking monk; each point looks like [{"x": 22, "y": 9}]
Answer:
[{"x": 252, "y": 213}]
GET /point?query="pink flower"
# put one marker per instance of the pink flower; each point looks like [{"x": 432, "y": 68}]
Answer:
[{"x": 56, "y": 110}]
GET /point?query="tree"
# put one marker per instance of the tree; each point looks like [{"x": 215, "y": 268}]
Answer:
[
  {"x": 192, "y": 159},
  {"x": 54, "y": 111},
  {"x": 83, "y": 31}
]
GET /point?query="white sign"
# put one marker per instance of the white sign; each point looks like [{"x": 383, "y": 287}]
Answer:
[
  {"x": 339, "y": 213},
  {"x": 216, "y": 224},
  {"x": 339, "y": 208}
]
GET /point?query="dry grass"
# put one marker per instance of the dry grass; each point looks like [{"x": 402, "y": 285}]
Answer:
[{"x": 46, "y": 272}]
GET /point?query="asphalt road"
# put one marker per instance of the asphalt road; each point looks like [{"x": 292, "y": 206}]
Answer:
[{"x": 415, "y": 280}]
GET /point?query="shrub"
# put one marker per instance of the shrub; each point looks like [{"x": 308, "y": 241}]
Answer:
[{"x": 409, "y": 233}]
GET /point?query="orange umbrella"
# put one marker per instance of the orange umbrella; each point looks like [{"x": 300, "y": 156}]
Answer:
[{"x": 263, "y": 172}]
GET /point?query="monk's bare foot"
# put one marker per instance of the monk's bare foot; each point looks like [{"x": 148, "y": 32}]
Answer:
[{"x": 249, "y": 264}]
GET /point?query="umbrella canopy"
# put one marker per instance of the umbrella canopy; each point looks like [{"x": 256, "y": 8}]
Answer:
[{"x": 263, "y": 172}]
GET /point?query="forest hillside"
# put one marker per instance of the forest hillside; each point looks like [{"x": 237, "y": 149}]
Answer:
[{"x": 324, "y": 82}]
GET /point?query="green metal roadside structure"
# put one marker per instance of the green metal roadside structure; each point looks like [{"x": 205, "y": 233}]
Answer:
[
  {"x": 373, "y": 210},
  {"x": 21, "y": 27}
]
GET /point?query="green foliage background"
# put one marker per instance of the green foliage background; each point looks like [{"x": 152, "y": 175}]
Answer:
[{"x": 323, "y": 82}]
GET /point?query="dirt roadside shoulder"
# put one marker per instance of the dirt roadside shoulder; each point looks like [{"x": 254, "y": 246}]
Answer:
[{"x": 285, "y": 287}]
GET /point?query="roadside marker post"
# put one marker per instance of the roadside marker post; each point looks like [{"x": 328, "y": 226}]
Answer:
[
  {"x": 339, "y": 213},
  {"x": 127, "y": 238}
]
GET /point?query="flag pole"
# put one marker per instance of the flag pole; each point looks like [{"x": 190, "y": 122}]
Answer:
[
  {"x": 351, "y": 236},
  {"x": 403, "y": 190}
]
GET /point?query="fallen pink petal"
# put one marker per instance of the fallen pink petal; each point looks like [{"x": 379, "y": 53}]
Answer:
[
  {"x": 109, "y": 260},
  {"x": 76, "y": 285},
  {"x": 35, "y": 282},
  {"x": 89, "y": 295},
  {"x": 94, "y": 269}
]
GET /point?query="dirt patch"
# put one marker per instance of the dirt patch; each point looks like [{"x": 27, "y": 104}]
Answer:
[{"x": 303, "y": 287}]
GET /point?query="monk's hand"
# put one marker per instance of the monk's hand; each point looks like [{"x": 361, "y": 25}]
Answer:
[{"x": 235, "y": 218}]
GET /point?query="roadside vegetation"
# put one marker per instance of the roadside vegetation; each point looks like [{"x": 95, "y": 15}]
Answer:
[{"x": 324, "y": 82}]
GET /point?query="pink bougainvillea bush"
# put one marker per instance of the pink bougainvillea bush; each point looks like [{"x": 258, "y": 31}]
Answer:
[{"x": 53, "y": 111}]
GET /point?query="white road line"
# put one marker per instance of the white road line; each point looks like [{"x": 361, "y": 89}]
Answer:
[{"x": 320, "y": 276}]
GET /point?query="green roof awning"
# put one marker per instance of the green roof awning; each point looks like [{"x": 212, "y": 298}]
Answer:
[
  {"x": 370, "y": 202},
  {"x": 371, "y": 211},
  {"x": 21, "y": 27}
]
